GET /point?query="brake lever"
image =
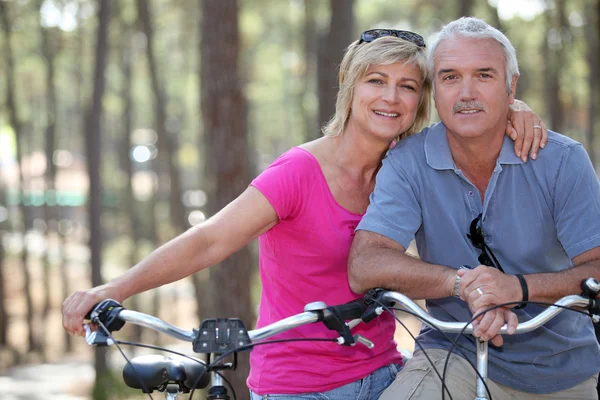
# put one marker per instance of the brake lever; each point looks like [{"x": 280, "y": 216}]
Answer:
[
  {"x": 355, "y": 339},
  {"x": 96, "y": 338},
  {"x": 363, "y": 340}
]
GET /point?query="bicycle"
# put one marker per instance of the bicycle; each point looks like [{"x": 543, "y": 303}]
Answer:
[{"x": 219, "y": 338}]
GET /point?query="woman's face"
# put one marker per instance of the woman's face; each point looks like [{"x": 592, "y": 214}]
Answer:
[{"x": 385, "y": 100}]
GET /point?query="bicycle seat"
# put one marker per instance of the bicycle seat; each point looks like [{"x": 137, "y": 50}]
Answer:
[{"x": 154, "y": 372}]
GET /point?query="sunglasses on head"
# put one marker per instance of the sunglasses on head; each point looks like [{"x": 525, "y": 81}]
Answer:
[
  {"x": 486, "y": 257},
  {"x": 372, "y": 34}
]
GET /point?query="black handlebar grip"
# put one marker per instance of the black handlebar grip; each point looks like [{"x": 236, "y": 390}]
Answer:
[
  {"x": 590, "y": 287},
  {"x": 88, "y": 316},
  {"x": 351, "y": 310},
  {"x": 107, "y": 312},
  {"x": 594, "y": 306}
]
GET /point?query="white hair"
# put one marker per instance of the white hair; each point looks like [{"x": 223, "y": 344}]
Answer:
[{"x": 474, "y": 28}]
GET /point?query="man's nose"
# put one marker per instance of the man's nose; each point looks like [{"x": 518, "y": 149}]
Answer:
[{"x": 467, "y": 90}]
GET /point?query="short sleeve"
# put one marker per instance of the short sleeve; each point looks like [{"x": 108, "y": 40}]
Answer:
[
  {"x": 577, "y": 203},
  {"x": 286, "y": 181},
  {"x": 394, "y": 210}
]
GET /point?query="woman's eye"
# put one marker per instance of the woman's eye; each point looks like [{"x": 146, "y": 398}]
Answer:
[
  {"x": 408, "y": 87},
  {"x": 376, "y": 81}
]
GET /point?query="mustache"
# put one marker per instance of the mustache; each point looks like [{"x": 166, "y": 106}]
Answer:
[{"x": 468, "y": 105}]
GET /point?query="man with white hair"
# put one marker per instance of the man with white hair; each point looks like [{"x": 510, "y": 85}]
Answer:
[{"x": 534, "y": 227}]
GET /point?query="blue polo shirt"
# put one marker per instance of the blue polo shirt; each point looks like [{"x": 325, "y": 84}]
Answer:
[{"x": 537, "y": 216}]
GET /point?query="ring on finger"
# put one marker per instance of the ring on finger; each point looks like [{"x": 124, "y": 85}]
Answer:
[
  {"x": 478, "y": 290},
  {"x": 537, "y": 127}
]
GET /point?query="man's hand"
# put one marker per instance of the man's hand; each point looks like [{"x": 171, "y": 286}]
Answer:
[
  {"x": 488, "y": 325},
  {"x": 483, "y": 287}
]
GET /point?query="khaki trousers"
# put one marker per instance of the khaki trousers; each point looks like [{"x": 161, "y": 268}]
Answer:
[{"x": 418, "y": 381}]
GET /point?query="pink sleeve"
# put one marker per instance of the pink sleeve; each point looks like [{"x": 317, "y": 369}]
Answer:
[{"x": 285, "y": 183}]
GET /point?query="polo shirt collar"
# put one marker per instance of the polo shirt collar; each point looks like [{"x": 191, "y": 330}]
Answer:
[{"x": 438, "y": 155}]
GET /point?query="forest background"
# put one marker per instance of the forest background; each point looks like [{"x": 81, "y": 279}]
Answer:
[{"x": 124, "y": 123}]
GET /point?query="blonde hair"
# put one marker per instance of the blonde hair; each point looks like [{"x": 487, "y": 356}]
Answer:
[{"x": 383, "y": 51}]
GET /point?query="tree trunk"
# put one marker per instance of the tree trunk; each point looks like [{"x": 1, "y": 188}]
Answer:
[
  {"x": 593, "y": 65},
  {"x": 330, "y": 52},
  {"x": 592, "y": 32},
  {"x": 93, "y": 141},
  {"x": 555, "y": 45},
  {"x": 465, "y": 8},
  {"x": 128, "y": 53},
  {"x": 494, "y": 17},
  {"x": 156, "y": 241},
  {"x": 311, "y": 125},
  {"x": 224, "y": 112},
  {"x": 19, "y": 133},
  {"x": 552, "y": 74},
  {"x": 167, "y": 146},
  {"x": 49, "y": 53},
  {"x": 3, "y": 299}
]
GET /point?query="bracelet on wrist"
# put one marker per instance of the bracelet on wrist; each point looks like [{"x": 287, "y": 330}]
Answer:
[
  {"x": 525, "y": 290},
  {"x": 455, "y": 292}
]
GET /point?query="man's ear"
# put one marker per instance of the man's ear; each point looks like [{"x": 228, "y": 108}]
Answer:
[{"x": 513, "y": 88}]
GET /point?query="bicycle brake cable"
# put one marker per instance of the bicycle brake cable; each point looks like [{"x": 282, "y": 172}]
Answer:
[
  {"x": 512, "y": 303},
  {"x": 250, "y": 346},
  {"x": 148, "y": 346},
  {"x": 101, "y": 325},
  {"x": 222, "y": 377},
  {"x": 453, "y": 341},
  {"x": 389, "y": 310}
]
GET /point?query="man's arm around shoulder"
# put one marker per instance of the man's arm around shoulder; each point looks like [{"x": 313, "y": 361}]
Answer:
[{"x": 376, "y": 261}]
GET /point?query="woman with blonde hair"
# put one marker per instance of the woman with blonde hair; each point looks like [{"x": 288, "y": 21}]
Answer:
[{"x": 304, "y": 208}]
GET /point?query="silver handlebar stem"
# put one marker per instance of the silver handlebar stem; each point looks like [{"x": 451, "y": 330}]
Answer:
[{"x": 482, "y": 368}]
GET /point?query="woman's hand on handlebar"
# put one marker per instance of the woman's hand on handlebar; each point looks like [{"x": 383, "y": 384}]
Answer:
[{"x": 76, "y": 306}]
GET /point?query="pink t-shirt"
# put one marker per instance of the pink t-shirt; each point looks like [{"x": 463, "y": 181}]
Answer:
[{"x": 303, "y": 258}]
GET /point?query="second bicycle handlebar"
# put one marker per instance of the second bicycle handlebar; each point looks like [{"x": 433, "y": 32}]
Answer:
[{"x": 457, "y": 327}]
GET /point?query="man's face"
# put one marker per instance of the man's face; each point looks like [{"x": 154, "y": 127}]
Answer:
[{"x": 470, "y": 87}]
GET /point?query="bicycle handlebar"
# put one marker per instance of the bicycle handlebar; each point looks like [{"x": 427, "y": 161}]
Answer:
[
  {"x": 456, "y": 327},
  {"x": 111, "y": 311},
  {"x": 319, "y": 312}
]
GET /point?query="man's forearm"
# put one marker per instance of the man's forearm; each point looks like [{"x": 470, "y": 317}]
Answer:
[
  {"x": 379, "y": 266},
  {"x": 550, "y": 287}
]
